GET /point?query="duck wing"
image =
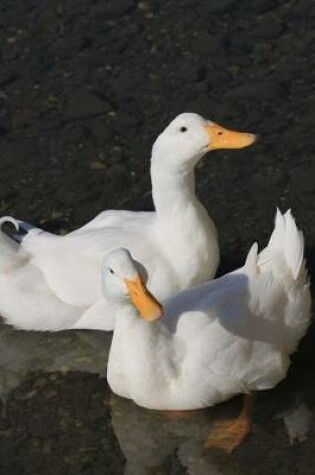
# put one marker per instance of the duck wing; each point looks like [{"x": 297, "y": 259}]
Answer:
[
  {"x": 117, "y": 218},
  {"x": 70, "y": 264},
  {"x": 237, "y": 332}
]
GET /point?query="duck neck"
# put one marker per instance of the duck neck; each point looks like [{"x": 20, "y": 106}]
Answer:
[
  {"x": 172, "y": 191},
  {"x": 184, "y": 226},
  {"x": 136, "y": 340},
  {"x": 134, "y": 330}
]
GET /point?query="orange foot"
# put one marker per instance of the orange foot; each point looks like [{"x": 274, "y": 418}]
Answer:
[{"x": 228, "y": 435}]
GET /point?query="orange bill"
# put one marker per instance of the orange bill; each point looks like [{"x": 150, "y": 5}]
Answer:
[
  {"x": 149, "y": 308},
  {"x": 219, "y": 137}
]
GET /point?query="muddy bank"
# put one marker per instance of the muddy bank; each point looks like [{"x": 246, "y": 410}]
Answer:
[{"x": 86, "y": 86}]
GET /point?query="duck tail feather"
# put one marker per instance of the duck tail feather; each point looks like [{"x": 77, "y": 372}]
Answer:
[
  {"x": 251, "y": 264},
  {"x": 24, "y": 229},
  {"x": 294, "y": 245},
  {"x": 276, "y": 239},
  {"x": 8, "y": 245},
  {"x": 287, "y": 240}
]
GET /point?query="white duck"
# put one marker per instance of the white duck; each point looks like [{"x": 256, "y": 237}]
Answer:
[
  {"x": 232, "y": 335},
  {"x": 53, "y": 282}
]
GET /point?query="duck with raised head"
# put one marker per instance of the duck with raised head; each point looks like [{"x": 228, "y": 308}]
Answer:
[{"x": 50, "y": 282}]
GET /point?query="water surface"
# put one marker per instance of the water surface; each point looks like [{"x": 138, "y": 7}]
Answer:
[{"x": 58, "y": 415}]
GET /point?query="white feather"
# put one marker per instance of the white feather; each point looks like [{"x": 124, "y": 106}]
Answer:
[
  {"x": 232, "y": 335},
  {"x": 177, "y": 244}
]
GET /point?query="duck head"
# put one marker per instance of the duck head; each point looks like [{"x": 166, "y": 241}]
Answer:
[
  {"x": 189, "y": 137},
  {"x": 123, "y": 283}
]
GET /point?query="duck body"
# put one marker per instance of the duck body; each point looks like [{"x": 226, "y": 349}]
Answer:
[
  {"x": 57, "y": 278},
  {"x": 229, "y": 336},
  {"x": 155, "y": 241}
]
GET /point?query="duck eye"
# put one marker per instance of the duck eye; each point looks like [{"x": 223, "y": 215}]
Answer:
[
  {"x": 111, "y": 271},
  {"x": 183, "y": 129}
]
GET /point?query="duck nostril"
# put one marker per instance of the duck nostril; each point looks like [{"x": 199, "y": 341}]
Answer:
[{"x": 220, "y": 133}]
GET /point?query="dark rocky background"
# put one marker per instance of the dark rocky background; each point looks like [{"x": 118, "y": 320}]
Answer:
[{"x": 85, "y": 87}]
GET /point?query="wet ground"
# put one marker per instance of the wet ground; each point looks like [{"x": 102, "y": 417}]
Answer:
[
  {"x": 59, "y": 417},
  {"x": 85, "y": 87}
]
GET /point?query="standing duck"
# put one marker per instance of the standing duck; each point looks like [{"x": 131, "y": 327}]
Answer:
[{"x": 50, "y": 282}]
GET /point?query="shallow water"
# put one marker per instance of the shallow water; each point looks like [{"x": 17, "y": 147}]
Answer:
[{"x": 59, "y": 416}]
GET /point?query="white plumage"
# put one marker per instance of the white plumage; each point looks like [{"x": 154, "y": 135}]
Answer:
[
  {"x": 232, "y": 335},
  {"x": 53, "y": 282}
]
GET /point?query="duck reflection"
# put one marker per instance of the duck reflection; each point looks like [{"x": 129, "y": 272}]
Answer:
[
  {"x": 149, "y": 440},
  {"x": 22, "y": 353},
  {"x": 298, "y": 420}
]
